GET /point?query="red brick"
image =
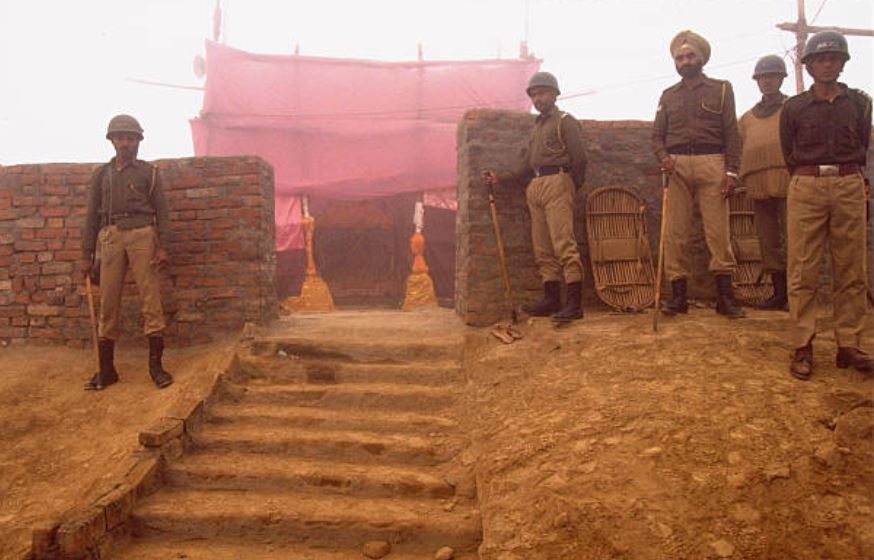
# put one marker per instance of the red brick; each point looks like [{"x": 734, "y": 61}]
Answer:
[
  {"x": 30, "y": 245},
  {"x": 62, "y": 190},
  {"x": 59, "y": 211},
  {"x": 24, "y": 201},
  {"x": 51, "y": 233},
  {"x": 210, "y": 281},
  {"x": 12, "y": 311},
  {"x": 68, "y": 255}
]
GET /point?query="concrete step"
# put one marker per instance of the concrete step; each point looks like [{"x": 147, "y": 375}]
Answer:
[
  {"x": 328, "y": 521},
  {"x": 374, "y": 396},
  {"x": 242, "y": 471},
  {"x": 360, "y": 349},
  {"x": 351, "y": 446},
  {"x": 284, "y": 416},
  {"x": 163, "y": 548},
  {"x": 326, "y": 372}
]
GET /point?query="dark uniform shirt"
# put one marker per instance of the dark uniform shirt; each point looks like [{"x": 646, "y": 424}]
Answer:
[
  {"x": 697, "y": 119},
  {"x": 815, "y": 131},
  {"x": 555, "y": 140},
  {"x": 130, "y": 198}
]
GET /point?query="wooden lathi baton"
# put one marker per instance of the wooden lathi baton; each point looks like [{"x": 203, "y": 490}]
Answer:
[{"x": 661, "y": 257}]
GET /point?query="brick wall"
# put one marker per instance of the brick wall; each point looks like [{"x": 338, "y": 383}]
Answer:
[
  {"x": 619, "y": 154},
  {"x": 222, "y": 263}
]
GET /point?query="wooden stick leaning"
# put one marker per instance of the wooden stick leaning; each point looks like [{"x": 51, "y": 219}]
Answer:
[
  {"x": 91, "y": 316},
  {"x": 661, "y": 257},
  {"x": 508, "y": 290}
]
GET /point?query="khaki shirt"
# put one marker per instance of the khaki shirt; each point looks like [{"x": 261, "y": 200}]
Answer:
[
  {"x": 702, "y": 114},
  {"x": 555, "y": 140},
  {"x": 129, "y": 198}
]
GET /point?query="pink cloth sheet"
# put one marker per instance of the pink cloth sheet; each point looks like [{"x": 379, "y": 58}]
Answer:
[{"x": 347, "y": 129}]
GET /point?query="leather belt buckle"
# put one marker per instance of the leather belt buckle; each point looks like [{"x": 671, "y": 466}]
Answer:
[{"x": 828, "y": 170}]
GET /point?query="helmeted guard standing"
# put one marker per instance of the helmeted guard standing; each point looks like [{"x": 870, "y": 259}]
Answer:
[
  {"x": 696, "y": 141},
  {"x": 128, "y": 221},
  {"x": 553, "y": 169},
  {"x": 764, "y": 174},
  {"x": 825, "y": 132}
]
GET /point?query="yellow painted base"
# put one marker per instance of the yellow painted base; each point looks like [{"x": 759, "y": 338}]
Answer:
[
  {"x": 420, "y": 291},
  {"x": 314, "y": 296}
]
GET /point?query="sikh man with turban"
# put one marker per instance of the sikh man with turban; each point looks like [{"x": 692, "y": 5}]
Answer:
[{"x": 696, "y": 140}]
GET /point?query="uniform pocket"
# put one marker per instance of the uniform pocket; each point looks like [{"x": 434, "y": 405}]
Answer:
[
  {"x": 809, "y": 135},
  {"x": 847, "y": 138}
]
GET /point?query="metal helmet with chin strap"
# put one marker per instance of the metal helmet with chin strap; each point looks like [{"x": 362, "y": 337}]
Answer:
[
  {"x": 543, "y": 79},
  {"x": 123, "y": 123}
]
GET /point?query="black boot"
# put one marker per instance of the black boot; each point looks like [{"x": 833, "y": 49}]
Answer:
[
  {"x": 550, "y": 303},
  {"x": 725, "y": 304},
  {"x": 156, "y": 369},
  {"x": 107, "y": 374},
  {"x": 678, "y": 302},
  {"x": 779, "y": 300},
  {"x": 573, "y": 308}
]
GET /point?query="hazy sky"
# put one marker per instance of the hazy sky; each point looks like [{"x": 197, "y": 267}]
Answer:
[{"x": 67, "y": 65}]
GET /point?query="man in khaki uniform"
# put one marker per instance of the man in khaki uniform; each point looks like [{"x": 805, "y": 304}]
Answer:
[
  {"x": 555, "y": 167},
  {"x": 825, "y": 132},
  {"x": 127, "y": 216},
  {"x": 764, "y": 174},
  {"x": 696, "y": 140}
]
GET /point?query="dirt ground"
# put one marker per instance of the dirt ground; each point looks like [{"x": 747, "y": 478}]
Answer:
[
  {"x": 601, "y": 440},
  {"x": 61, "y": 444},
  {"x": 595, "y": 441}
]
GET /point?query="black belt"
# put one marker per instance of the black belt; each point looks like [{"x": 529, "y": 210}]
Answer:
[
  {"x": 550, "y": 170},
  {"x": 696, "y": 150},
  {"x": 113, "y": 218}
]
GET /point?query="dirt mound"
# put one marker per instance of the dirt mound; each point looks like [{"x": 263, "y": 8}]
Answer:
[{"x": 602, "y": 440}]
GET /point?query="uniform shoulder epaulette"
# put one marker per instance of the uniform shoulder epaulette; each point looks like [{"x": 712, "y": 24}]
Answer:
[
  {"x": 100, "y": 169},
  {"x": 673, "y": 87},
  {"x": 862, "y": 93},
  {"x": 864, "y": 101}
]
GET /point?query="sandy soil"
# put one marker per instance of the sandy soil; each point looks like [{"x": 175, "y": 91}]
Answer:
[
  {"x": 601, "y": 440},
  {"x": 61, "y": 444}
]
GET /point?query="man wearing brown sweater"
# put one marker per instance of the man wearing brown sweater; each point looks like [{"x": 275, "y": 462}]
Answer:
[{"x": 764, "y": 174}]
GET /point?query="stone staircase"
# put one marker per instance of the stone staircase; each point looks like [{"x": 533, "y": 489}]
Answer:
[{"x": 326, "y": 440}]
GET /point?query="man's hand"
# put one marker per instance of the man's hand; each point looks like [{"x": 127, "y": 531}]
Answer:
[
  {"x": 668, "y": 165},
  {"x": 489, "y": 177},
  {"x": 87, "y": 264},
  {"x": 730, "y": 183},
  {"x": 160, "y": 260}
]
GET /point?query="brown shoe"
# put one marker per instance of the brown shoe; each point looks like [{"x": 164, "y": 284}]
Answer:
[
  {"x": 854, "y": 358},
  {"x": 802, "y": 363}
]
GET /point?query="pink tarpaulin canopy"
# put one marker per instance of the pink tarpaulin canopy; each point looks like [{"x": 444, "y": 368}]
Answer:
[{"x": 347, "y": 129}]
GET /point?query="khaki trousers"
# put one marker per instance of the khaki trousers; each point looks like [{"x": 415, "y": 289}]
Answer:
[
  {"x": 700, "y": 177},
  {"x": 832, "y": 209},
  {"x": 770, "y": 220},
  {"x": 121, "y": 249},
  {"x": 551, "y": 203}
]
